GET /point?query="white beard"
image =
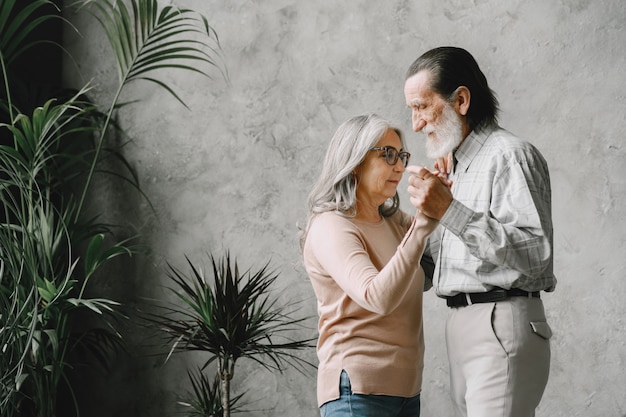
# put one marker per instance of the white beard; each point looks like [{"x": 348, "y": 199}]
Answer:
[{"x": 446, "y": 135}]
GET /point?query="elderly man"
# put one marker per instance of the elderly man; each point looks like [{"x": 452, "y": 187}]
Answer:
[{"x": 492, "y": 252}]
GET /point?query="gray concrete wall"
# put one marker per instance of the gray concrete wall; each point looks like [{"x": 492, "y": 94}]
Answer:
[{"x": 233, "y": 172}]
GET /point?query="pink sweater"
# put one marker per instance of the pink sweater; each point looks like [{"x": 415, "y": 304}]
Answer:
[{"x": 368, "y": 283}]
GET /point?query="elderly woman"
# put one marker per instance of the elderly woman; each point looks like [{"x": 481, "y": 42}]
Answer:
[{"x": 362, "y": 255}]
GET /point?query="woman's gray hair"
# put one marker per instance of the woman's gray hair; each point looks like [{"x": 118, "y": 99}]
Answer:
[{"x": 335, "y": 189}]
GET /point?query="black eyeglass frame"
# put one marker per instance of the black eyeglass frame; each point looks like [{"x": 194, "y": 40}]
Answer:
[{"x": 392, "y": 155}]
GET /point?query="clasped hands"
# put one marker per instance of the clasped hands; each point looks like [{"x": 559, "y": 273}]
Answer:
[{"x": 430, "y": 189}]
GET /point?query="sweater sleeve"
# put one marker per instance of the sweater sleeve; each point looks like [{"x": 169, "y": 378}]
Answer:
[{"x": 340, "y": 250}]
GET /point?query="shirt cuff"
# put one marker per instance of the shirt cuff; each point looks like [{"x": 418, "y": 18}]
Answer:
[{"x": 456, "y": 217}]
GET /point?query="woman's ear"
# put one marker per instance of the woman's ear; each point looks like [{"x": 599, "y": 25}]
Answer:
[{"x": 462, "y": 101}]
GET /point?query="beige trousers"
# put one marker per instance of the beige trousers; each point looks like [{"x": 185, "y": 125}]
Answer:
[{"x": 499, "y": 355}]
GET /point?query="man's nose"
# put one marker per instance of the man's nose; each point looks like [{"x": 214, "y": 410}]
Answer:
[{"x": 418, "y": 123}]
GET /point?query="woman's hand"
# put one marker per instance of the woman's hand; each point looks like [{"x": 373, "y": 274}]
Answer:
[{"x": 444, "y": 165}]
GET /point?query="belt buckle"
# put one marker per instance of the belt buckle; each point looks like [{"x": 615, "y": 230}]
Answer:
[{"x": 499, "y": 294}]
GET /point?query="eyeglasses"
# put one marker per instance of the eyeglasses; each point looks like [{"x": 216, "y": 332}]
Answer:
[{"x": 392, "y": 155}]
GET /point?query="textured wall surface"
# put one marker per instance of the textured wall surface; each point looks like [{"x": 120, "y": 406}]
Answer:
[{"x": 234, "y": 170}]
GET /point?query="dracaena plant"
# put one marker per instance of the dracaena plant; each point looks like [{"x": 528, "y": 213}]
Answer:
[
  {"x": 51, "y": 246},
  {"x": 205, "y": 399},
  {"x": 231, "y": 315}
]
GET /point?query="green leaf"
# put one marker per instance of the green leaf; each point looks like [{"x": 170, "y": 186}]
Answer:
[
  {"x": 92, "y": 256},
  {"x": 97, "y": 305},
  {"x": 15, "y": 27},
  {"x": 146, "y": 41},
  {"x": 96, "y": 255},
  {"x": 53, "y": 338}
]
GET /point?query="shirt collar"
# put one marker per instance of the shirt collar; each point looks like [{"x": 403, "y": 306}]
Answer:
[{"x": 470, "y": 147}]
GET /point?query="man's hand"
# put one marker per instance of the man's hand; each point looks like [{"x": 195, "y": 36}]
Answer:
[{"x": 430, "y": 193}]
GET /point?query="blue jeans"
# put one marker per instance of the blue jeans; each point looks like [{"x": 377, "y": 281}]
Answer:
[{"x": 359, "y": 405}]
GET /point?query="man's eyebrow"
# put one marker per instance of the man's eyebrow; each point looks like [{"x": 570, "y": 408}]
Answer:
[{"x": 415, "y": 102}]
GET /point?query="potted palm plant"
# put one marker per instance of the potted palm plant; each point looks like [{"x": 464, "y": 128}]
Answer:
[
  {"x": 229, "y": 316},
  {"x": 51, "y": 245}
]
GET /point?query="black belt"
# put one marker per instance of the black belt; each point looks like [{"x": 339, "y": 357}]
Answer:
[{"x": 498, "y": 294}]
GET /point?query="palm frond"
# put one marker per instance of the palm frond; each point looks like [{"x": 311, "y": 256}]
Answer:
[
  {"x": 145, "y": 39},
  {"x": 17, "y": 24}
]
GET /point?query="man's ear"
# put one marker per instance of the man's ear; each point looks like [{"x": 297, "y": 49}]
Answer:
[{"x": 462, "y": 101}]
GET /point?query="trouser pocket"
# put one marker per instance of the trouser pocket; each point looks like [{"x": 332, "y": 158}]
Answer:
[{"x": 541, "y": 329}]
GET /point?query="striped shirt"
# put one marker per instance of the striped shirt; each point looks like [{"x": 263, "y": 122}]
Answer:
[{"x": 498, "y": 230}]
